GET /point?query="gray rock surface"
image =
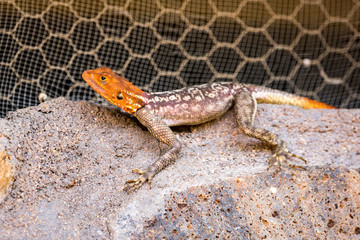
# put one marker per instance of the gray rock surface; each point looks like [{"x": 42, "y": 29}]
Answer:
[
  {"x": 71, "y": 160},
  {"x": 320, "y": 203}
]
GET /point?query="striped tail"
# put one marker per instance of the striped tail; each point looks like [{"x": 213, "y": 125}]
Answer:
[{"x": 268, "y": 95}]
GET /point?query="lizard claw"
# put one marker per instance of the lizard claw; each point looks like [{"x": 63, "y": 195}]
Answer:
[
  {"x": 134, "y": 184},
  {"x": 135, "y": 170},
  {"x": 278, "y": 159}
]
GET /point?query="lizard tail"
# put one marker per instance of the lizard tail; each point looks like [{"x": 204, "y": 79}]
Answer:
[{"x": 268, "y": 95}]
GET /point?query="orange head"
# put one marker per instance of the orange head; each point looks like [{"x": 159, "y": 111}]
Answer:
[{"x": 115, "y": 89}]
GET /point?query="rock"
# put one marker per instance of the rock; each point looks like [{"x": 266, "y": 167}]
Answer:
[
  {"x": 313, "y": 204},
  {"x": 69, "y": 161},
  {"x": 6, "y": 174},
  {"x": 8, "y": 164}
]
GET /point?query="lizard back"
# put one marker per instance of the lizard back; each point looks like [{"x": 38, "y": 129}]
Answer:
[
  {"x": 202, "y": 103},
  {"x": 192, "y": 105}
]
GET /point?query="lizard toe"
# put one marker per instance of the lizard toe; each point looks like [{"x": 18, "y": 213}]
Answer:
[
  {"x": 135, "y": 170},
  {"x": 292, "y": 155},
  {"x": 134, "y": 184},
  {"x": 280, "y": 158}
]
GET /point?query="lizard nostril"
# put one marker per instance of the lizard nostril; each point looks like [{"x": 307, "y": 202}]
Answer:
[{"x": 119, "y": 96}]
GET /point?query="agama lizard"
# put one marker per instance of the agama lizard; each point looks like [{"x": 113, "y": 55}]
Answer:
[{"x": 194, "y": 105}]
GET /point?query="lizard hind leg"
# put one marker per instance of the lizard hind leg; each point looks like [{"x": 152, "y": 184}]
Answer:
[{"x": 245, "y": 109}]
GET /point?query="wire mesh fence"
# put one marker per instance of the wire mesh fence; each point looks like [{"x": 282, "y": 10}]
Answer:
[{"x": 311, "y": 48}]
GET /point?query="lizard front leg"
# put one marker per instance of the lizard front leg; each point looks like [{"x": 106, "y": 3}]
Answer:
[
  {"x": 164, "y": 134},
  {"x": 245, "y": 109}
]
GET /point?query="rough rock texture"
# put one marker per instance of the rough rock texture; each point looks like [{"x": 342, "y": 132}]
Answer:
[
  {"x": 313, "y": 204},
  {"x": 71, "y": 160},
  {"x": 8, "y": 164},
  {"x": 6, "y": 174}
]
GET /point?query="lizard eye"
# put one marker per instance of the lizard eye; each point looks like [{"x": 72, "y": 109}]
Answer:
[
  {"x": 103, "y": 79},
  {"x": 119, "y": 96}
]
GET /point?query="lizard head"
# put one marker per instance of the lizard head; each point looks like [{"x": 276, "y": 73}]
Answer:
[{"x": 115, "y": 89}]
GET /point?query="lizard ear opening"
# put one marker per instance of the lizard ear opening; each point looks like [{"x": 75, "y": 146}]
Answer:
[{"x": 119, "y": 96}]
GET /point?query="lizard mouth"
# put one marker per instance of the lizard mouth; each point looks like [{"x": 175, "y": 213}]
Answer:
[{"x": 87, "y": 76}]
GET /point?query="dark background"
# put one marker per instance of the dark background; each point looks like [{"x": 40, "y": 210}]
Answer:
[{"x": 311, "y": 48}]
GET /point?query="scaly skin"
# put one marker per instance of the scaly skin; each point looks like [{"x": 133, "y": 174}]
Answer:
[{"x": 194, "y": 105}]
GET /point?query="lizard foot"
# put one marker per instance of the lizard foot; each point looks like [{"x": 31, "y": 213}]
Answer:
[
  {"x": 134, "y": 184},
  {"x": 279, "y": 158}
]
